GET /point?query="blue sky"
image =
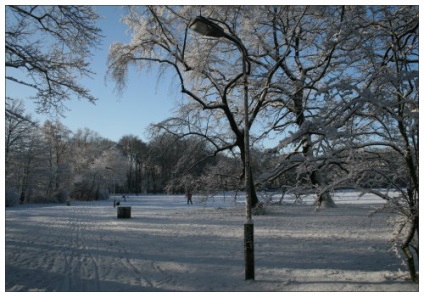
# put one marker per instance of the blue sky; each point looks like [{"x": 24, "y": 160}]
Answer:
[{"x": 144, "y": 101}]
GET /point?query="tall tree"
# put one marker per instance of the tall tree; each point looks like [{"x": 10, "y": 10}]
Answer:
[
  {"x": 19, "y": 130},
  {"x": 56, "y": 137},
  {"x": 136, "y": 152},
  {"x": 32, "y": 172},
  {"x": 307, "y": 41},
  {"x": 209, "y": 71},
  {"x": 97, "y": 165},
  {"x": 17, "y": 127}
]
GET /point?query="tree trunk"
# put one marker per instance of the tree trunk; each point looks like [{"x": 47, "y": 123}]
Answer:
[
  {"x": 22, "y": 197},
  {"x": 406, "y": 250},
  {"x": 315, "y": 175},
  {"x": 324, "y": 199}
]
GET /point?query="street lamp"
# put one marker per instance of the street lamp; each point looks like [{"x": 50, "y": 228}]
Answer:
[{"x": 207, "y": 27}]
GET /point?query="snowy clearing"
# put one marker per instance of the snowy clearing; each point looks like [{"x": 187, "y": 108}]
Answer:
[{"x": 170, "y": 246}]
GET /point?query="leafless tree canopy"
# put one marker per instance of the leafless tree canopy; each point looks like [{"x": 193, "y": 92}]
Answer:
[{"x": 47, "y": 49}]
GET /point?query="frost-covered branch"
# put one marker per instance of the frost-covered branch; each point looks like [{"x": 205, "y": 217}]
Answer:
[{"x": 50, "y": 45}]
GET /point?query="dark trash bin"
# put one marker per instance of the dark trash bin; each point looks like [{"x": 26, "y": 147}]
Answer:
[{"x": 124, "y": 212}]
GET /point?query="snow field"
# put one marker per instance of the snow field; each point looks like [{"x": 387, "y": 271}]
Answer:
[{"x": 170, "y": 246}]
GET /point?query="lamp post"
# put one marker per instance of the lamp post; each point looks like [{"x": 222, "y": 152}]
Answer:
[{"x": 207, "y": 27}]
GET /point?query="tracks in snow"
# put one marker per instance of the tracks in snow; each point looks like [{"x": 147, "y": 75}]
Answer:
[
  {"x": 77, "y": 244},
  {"x": 87, "y": 265}
]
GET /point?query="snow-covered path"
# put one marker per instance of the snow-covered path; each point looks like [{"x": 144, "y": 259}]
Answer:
[{"x": 169, "y": 246}]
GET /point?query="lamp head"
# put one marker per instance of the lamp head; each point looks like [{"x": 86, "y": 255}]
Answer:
[{"x": 206, "y": 27}]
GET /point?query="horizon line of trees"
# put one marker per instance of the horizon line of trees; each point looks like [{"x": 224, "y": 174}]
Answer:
[{"x": 49, "y": 163}]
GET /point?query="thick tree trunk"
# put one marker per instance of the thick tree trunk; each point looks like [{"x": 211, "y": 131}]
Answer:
[
  {"x": 22, "y": 197},
  {"x": 406, "y": 250},
  {"x": 324, "y": 199}
]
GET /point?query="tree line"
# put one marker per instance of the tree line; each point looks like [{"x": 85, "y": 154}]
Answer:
[{"x": 47, "y": 162}]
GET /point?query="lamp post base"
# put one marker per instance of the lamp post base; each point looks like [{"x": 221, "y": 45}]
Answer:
[{"x": 249, "y": 256}]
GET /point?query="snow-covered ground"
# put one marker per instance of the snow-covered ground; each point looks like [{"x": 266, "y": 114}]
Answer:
[{"x": 170, "y": 246}]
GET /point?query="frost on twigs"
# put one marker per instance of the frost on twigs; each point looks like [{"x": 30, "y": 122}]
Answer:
[{"x": 50, "y": 46}]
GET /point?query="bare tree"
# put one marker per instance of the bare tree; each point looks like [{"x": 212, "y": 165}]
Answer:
[
  {"x": 47, "y": 49},
  {"x": 17, "y": 127},
  {"x": 18, "y": 159},
  {"x": 92, "y": 163},
  {"x": 221, "y": 176},
  {"x": 57, "y": 137},
  {"x": 208, "y": 71},
  {"x": 291, "y": 52},
  {"x": 303, "y": 46},
  {"x": 363, "y": 115},
  {"x": 31, "y": 172},
  {"x": 390, "y": 98},
  {"x": 136, "y": 152}
]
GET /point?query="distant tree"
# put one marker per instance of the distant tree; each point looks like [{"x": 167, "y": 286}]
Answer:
[
  {"x": 162, "y": 155},
  {"x": 31, "y": 171},
  {"x": 191, "y": 160},
  {"x": 19, "y": 149},
  {"x": 223, "y": 175},
  {"x": 92, "y": 157},
  {"x": 17, "y": 127},
  {"x": 171, "y": 160},
  {"x": 47, "y": 48},
  {"x": 110, "y": 167},
  {"x": 57, "y": 148},
  {"x": 136, "y": 152}
]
